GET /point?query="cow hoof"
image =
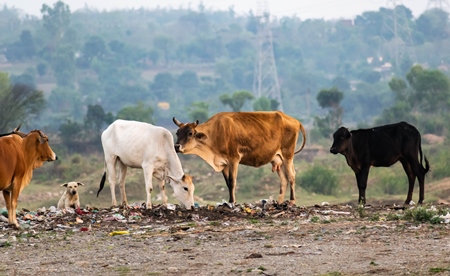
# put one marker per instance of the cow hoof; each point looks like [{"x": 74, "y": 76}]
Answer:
[{"x": 16, "y": 225}]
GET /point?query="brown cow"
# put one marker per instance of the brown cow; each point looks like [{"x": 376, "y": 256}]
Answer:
[
  {"x": 18, "y": 157},
  {"x": 228, "y": 139}
]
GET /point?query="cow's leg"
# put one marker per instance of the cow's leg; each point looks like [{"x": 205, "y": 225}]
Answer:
[
  {"x": 361, "y": 180},
  {"x": 122, "y": 172},
  {"x": 411, "y": 178},
  {"x": 112, "y": 178},
  {"x": 291, "y": 179},
  {"x": 7, "y": 197},
  {"x": 162, "y": 191},
  {"x": 420, "y": 172},
  {"x": 148, "y": 176},
  {"x": 11, "y": 201},
  {"x": 421, "y": 178},
  {"x": 287, "y": 176},
  {"x": 230, "y": 174}
]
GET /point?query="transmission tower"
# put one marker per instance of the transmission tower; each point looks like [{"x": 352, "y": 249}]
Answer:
[
  {"x": 398, "y": 25},
  {"x": 265, "y": 80},
  {"x": 441, "y": 4}
]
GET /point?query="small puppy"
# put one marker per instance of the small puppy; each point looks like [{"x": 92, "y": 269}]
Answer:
[{"x": 70, "y": 197}]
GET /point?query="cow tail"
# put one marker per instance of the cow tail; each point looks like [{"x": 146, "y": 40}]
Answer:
[
  {"x": 427, "y": 164},
  {"x": 102, "y": 183},
  {"x": 304, "y": 138}
]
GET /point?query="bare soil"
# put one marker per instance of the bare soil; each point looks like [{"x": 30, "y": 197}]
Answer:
[{"x": 219, "y": 240}]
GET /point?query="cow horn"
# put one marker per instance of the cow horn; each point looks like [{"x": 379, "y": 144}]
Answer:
[
  {"x": 178, "y": 123},
  {"x": 17, "y": 128}
]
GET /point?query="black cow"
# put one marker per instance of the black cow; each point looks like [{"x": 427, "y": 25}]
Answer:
[{"x": 382, "y": 146}]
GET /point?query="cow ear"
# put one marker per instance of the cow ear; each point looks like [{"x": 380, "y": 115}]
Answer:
[
  {"x": 64, "y": 185},
  {"x": 80, "y": 184},
  {"x": 201, "y": 136}
]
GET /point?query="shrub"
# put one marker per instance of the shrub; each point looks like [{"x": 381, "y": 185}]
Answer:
[
  {"x": 420, "y": 214},
  {"x": 319, "y": 180},
  {"x": 393, "y": 184}
]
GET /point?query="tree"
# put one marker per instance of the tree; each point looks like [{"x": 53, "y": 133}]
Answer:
[
  {"x": 162, "y": 86},
  {"x": 94, "y": 47},
  {"x": 56, "y": 21},
  {"x": 27, "y": 42},
  {"x": 330, "y": 99},
  {"x": 431, "y": 89},
  {"x": 341, "y": 83},
  {"x": 422, "y": 100},
  {"x": 18, "y": 103},
  {"x": 94, "y": 120},
  {"x": 63, "y": 65},
  {"x": 165, "y": 44},
  {"x": 237, "y": 100},
  {"x": 188, "y": 80},
  {"x": 70, "y": 133},
  {"x": 41, "y": 68},
  {"x": 265, "y": 104},
  {"x": 198, "y": 111},
  {"x": 139, "y": 112},
  {"x": 433, "y": 24}
]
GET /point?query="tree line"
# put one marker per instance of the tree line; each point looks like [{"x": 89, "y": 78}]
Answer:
[{"x": 151, "y": 65}]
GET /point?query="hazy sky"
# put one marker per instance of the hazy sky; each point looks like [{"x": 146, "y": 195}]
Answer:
[{"x": 326, "y": 9}]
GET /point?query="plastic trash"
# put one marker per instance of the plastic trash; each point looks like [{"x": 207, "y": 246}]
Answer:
[
  {"x": 115, "y": 233},
  {"x": 3, "y": 218},
  {"x": 86, "y": 229}
]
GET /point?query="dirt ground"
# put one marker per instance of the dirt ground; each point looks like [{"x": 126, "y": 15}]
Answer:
[{"x": 224, "y": 240}]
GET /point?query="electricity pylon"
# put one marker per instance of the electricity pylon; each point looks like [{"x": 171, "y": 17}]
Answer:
[
  {"x": 398, "y": 25},
  {"x": 441, "y": 4},
  {"x": 265, "y": 80}
]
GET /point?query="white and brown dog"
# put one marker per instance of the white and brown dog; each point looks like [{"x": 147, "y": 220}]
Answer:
[{"x": 70, "y": 197}]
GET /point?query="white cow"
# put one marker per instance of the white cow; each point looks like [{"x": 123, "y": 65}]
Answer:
[{"x": 141, "y": 145}]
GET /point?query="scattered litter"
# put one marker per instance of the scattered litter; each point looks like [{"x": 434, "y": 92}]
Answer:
[
  {"x": 86, "y": 229},
  {"x": 279, "y": 214},
  {"x": 225, "y": 204},
  {"x": 171, "y": 206},
  {"x": 332, "y": 212},
  {"x": 117, "y": 217},
  {"x": 3, "y": 218},
  {"x": 292, "y": 245},
  {"x": 445, "y": 219},
  {"x": 115, "y": 233}
]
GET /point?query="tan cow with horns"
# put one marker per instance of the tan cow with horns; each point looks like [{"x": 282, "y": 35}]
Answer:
[
  {"x": 20, "y": 154},
  {"x": 254, "y": 139}
]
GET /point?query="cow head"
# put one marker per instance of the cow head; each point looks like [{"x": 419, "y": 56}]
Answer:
[
  {"x": 187, "y": 136},
  {"x": 38, "y": 141},
  {"x": 341, "y": 139},
  {"x": 184, "y": 190}
]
